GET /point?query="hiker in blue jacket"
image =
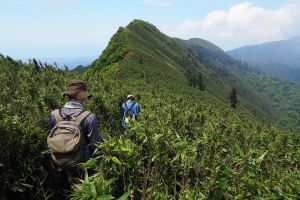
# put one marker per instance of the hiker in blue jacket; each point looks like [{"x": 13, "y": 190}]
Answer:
[{"x": 130, "y": 110}]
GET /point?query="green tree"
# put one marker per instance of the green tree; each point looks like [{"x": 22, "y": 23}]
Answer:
[
  {"x": 233, "y": 98},
  {"x": 200, "y": 82}
]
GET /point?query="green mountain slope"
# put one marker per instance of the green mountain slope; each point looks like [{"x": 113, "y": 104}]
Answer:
[
  {"x": 144, "y": 51},
  {"x": 281, "y": 58},
  {"x": 284, "y": 96},
  {"x": 279, "y": 94},
  {"x": 205, "y": 50},
  {"x": 215, "y": 59}
]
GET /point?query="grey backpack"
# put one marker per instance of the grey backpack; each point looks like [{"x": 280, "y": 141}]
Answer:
[{"x": 66, "y": 140}]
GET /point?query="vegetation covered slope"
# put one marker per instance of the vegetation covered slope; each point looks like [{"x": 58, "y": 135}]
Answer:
[
  {"x": 280, "y": 95},
  {"x": 284, "y": 95},
  {"x": 186, "y": 144},
  {"x": 206, "y": 50},
  {"x": 214, "y": 59},
  {"x": 281, "y": 58}
]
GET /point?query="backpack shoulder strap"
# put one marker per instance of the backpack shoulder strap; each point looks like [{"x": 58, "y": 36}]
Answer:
[
  {"x": 57, "y": 115},
  {"x": 82, "y": 116},
  {"x": 125, "y": 104},
  {"x": 132, "y": 105}
]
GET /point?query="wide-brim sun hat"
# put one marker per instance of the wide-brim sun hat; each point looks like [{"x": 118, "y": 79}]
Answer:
[
  {"x": 76, "y": 89},
  {"x": 130, "y": 96}
]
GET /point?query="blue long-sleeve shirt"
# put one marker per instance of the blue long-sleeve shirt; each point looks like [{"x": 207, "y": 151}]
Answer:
[
  {"x": 89, "y": 125},
  {"x": 136, "y": 109}
]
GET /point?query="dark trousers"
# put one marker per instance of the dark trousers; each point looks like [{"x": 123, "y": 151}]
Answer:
[{"x": 73, "y": 176}]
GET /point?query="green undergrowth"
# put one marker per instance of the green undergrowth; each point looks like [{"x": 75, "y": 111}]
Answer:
[
  {"x": 192, "y": 146},
  {"x": 28, "y": 93}
]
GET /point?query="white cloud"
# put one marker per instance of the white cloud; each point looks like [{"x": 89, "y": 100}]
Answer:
[
  {"x": 246, "y": 23},
  {"x": 161, "y": 3}
]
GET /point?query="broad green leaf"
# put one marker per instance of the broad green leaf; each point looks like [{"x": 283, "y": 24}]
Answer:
[
  {"x": 105, "y": 197},
  {"x": 116, "y": 160},
  {"x": 91, "y": 163},
  {"x": 258, "y": 160},
  {"x": 125, "y": 195}
]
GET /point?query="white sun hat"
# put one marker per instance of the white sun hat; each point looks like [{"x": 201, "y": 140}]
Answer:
[{"x": 130, "y": 95}]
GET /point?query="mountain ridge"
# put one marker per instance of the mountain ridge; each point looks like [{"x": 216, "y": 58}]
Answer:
[{"x": 143, "y": 41}]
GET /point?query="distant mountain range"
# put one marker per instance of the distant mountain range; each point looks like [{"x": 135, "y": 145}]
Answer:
[
  {"x": 280, "y": 58},
  {"x": 70, "y": 62}
]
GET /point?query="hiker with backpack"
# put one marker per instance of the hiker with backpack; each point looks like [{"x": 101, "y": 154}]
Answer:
[
  {"x": 130, "y": 110},
  {"x": 74, "y": 132}
]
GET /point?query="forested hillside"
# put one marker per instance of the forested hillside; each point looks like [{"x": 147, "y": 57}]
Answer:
[
  {"x": 284, "y": 95},
  {"x": 229, "y": 71},
  {"x": 188, "y": 143},
  {"x": 278, "y": 94}
]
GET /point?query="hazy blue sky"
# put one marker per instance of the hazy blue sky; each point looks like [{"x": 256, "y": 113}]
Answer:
[{"x": 67, "y": 28}]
